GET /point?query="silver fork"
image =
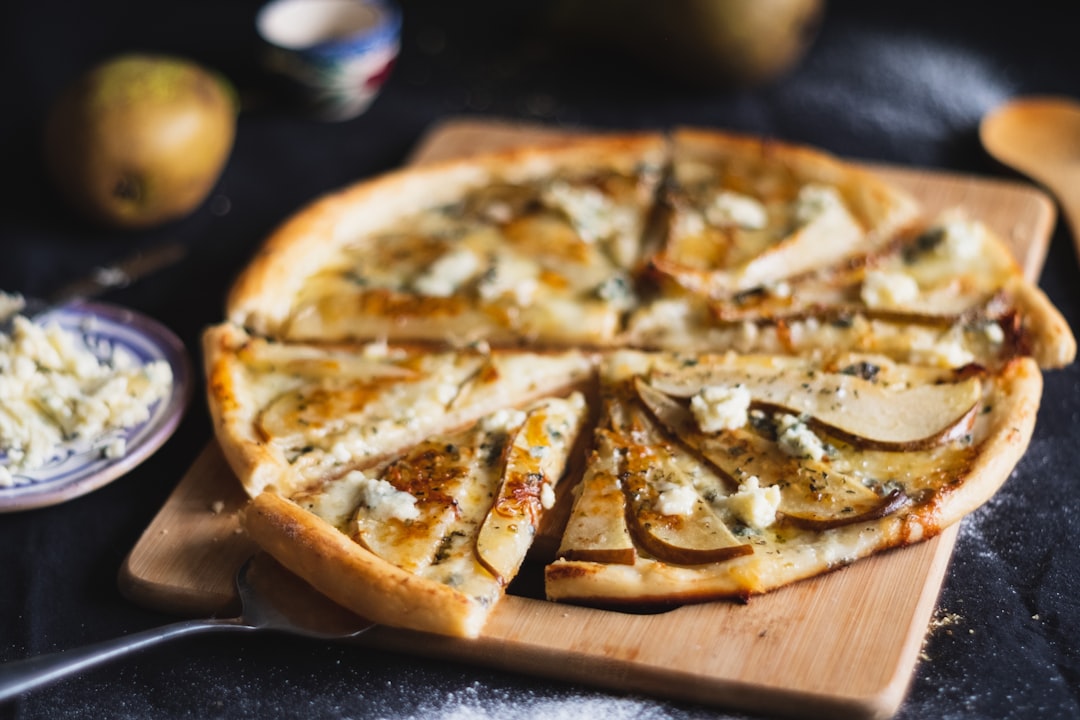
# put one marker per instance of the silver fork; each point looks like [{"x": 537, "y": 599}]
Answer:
[{"x": 271, "y": 598}]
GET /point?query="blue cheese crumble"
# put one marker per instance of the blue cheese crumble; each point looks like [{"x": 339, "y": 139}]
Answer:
[
  {"x": 885, "y": 289},
  {"x": 55, "y": 392},
  {"x": 732, "y": 208},
  {"x": 798, "y": 440},
  {"x": 593, "y": 214},
  {"x": 448, "y": 273},
  {"x": 675, "y": 499},
  {"x": 383, "y": 500},
  {"x": 753, "y": 505},
  {"x": 814, "y": 201},
  {"x": 718, "y": 407}
]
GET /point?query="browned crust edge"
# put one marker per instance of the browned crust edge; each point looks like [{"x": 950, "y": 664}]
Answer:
[
  {"x": 255, "y": 463},
  {"x": 353, "y": 577}
]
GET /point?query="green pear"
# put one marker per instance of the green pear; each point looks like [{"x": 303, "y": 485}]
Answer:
[{"x": 140, "y": 140}]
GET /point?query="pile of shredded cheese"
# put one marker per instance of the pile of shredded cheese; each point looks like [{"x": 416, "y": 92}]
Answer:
[{"x": 54, "y": 391}]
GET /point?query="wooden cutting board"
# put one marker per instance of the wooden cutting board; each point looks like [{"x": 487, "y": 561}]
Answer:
[{"x": 843, "y": 644}]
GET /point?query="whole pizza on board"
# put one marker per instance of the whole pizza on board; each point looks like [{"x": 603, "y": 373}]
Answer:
[{"x": 700, "y": 365}]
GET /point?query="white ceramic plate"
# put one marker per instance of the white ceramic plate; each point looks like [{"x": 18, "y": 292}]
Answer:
[{"x": 76, "y": 469}]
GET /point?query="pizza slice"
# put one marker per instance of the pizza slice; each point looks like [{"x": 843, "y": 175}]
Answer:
[
  {"x": 289, "y": 415},
  {"x": 530, "y": 245},
  {"x": 950, "y": 295},
  {"x": 746, "y": 213},
  {"x": 728, "y": 476},
  {"x": 429, "y": 540}
]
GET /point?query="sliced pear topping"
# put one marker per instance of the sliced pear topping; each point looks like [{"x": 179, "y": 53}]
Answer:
[
  {"x": 698, "y": 536},
  {"x": 860, "y": 411},
  {"x": 316, "y": 410},
  {"x": 825, "y": 231},
  {"x": 814, "y": 493},
  {"x": 828, "y": 232},
  {"x": 813, "y": 519},
  {"x": 597, "y": 529},
  {"x": 363, "y": 407},
  {"x": 535, "y": 461},
  {"x": 673, "y": 531},
  {"x": 317, "y": 362},
  {"x": 433, "y": 474},
  {"x": 672, "y": 414}
]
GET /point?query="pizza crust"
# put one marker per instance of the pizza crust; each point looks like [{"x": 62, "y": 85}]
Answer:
[
  {"x": 1050, "y": 339},
  {"x": 353, "y": 577},
  {"x": 255, "y": 462}
]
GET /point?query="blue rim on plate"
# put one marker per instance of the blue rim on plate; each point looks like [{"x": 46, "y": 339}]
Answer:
[{"x": 107, "y": 329}]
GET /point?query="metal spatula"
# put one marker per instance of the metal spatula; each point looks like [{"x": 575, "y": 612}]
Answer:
[{"x": 271, "y": 598}]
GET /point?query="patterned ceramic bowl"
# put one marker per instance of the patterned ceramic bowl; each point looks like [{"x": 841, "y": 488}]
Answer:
[{"x": 334, "y": 54}]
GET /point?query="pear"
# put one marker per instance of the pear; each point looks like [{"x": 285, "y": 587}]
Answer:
[
  {"x": 709, "y": 43},
  {"x": 140, "y": 140}
]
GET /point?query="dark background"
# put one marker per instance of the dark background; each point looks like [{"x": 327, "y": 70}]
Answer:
[{"x": 902, "y": 83}]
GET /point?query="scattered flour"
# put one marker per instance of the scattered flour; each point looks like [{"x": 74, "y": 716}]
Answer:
[{"x": 475, "y": 702}]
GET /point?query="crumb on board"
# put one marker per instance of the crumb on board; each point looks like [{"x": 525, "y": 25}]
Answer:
[
  {"x": 942, "y": 619},
  {"x": 217, "y": 506}
]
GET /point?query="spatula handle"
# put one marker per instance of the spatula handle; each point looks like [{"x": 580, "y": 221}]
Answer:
[{"x": 20, "y": 676}]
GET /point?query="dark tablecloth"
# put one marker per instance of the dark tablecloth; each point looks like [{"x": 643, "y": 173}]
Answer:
[{"x": 902, "y": 83}]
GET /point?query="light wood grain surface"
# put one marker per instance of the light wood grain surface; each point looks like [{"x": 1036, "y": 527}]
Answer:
[{"x": 843, "y": 644}]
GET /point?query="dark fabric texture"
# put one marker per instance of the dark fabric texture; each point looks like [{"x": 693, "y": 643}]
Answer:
[{"x": 902, "y": 83}]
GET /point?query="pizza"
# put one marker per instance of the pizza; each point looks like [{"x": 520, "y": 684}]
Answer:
[{"x": 663, "y": 367}]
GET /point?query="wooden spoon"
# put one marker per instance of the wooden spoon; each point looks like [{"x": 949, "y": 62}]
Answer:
[{"x": 1040, "y": 137}]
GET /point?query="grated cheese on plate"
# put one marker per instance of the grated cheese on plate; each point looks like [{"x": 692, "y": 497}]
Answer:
[{"x": 54, "y": 391}]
